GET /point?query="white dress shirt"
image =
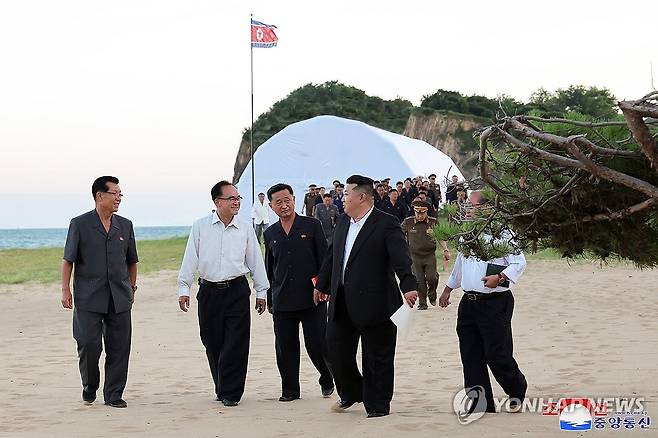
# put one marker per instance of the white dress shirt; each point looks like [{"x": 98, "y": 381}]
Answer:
[
  {"x": 260, "y": 213},
  {"x": 469, "y": 271},
  {"x": 222, "y": 253},
  {"x": 352, "y": 233}
]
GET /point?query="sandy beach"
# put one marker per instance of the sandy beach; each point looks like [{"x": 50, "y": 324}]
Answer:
[{"x": 580, "y": 330}]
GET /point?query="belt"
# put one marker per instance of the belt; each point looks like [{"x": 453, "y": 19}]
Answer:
[
  {"x": 222, "y": 284},
  {"x": 474, "y": 296}
]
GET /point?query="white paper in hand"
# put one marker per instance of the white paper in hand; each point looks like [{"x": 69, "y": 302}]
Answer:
[{"x": 402, "y": 319}]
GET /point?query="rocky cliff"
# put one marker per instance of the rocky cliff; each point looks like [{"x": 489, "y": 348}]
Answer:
[{"x": 451, "y": 133}]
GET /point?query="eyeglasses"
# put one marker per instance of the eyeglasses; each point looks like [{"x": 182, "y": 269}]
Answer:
[
  {"x": 115, "y": 194},
  {"x": 231, "y": 198}
]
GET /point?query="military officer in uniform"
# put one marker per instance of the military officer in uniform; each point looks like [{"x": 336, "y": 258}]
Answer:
[{"x": 422, "y": 246}]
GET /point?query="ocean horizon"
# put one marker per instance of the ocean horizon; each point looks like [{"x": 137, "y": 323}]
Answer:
[{"x": 28, "y": 238}]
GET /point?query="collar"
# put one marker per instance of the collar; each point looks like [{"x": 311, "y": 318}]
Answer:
[
  {"x": 427, "y": 219},
  {"x": 364, "y": 218},
  {"x": 215, "y": 219}
]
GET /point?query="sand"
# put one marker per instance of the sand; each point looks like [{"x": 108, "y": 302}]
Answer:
[{"x": 579, "y": 330}]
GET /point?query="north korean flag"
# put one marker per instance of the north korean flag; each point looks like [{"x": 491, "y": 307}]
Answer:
[{"x": 262, "y": 35}]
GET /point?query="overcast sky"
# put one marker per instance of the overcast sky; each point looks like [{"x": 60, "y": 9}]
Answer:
[{"x": 157, "y": 92}]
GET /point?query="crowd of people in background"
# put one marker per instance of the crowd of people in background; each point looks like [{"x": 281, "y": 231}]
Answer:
[{"x": 395, "y": 200}]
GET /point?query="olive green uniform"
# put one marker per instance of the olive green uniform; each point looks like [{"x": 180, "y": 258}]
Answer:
[{"x": 422, "y": 247}]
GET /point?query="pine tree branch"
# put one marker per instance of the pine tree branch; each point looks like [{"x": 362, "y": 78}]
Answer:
[
  {"x": 611, "y": 216},
  {"x": 634, "y": 111}
]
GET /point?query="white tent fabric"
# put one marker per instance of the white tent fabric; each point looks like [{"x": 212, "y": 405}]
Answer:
[{"x": 326, "y": 148}]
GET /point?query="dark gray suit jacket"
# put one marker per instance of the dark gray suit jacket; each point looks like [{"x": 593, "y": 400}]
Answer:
[{"x": 101, "y": 262}]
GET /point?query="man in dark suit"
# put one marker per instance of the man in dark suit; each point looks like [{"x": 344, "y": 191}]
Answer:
[
  {"x": 358, "y": 279},
  {"x": 294, "y": 249},
  {"x": 101, "y": 246}
]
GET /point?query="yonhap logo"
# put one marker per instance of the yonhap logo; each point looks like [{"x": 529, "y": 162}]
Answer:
[{"x": 469, "y": 404}]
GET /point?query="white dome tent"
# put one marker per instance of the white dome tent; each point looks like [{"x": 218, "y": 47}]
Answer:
[{"x": 326, "y": 148}]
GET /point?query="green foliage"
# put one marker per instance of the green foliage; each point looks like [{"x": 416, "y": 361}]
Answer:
[
  {"x": 594, "y": 102},
  {"x": 331, "y": 98},
  {"x": 597, "y": 103},
  {"x": 479, "y": 106},
  {"x": 542, "y": 213}
]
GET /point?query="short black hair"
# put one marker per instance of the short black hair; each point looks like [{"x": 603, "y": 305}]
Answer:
[
  {"x": 363, "y": 184},
  {"x": 217, "y": 189},
  {"x": 399, "y": 182},
  {"x": 312, "y": 186},
  {"x": 261, "y": 193},
  {"x": 380, "y": 185},
  {"x": 422, "y": 190},
  {"x": 100, "y": 184},
  {"x": 277, "y": 188},
  {"x": 335, "y": 181},
  {"x": 407, "y": 179},
  {"x": 341, "y": 185},
  {"x": 326, "y": 195},
  {"x": 432, "y": 175},
  {"x": 393, "y": 189}
]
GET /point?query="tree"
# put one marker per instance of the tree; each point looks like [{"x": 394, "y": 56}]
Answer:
[
  {"x": 598, "y": 103},
  {"x": 574, "y": 184}
]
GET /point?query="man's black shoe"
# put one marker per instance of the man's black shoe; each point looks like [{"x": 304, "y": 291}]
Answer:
[
  {"x": 287, "y": 398},
  {"x": 118, "y": 403},
  {"x": 342, "y": 405},
  {"x": 229, "y": 403},
  {"x": 88, "y": 397},
  {"x": 326, "y": 392},
  {"x": 376, "y": 414}
]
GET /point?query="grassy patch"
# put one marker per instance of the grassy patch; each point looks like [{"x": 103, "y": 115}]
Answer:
[{"x": 43, "y": 264}]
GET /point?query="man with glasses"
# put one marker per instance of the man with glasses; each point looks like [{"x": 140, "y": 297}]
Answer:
[
  {"x": 101, "y": 246},
  {"x": 223, "y": 249}
]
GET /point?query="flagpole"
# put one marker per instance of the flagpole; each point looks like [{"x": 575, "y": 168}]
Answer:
[{"x": 251, "y": 131}]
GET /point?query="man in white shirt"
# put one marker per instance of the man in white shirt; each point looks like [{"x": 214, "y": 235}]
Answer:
[
  {"x": 484, "y": 324},
  {"x": 261, "y": 216},
  {"x": 224, "y": 249}
]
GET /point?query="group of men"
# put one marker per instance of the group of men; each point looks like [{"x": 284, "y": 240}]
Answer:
[{"x": 341, "y": 291}]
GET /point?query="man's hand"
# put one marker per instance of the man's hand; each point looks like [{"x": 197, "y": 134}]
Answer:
[
  {"x": 184, "y": 302},
  {"x": 490, "y": 281},
  {"x": 444, "y": 299},
  {"x": 67, "y": 299},
  {"x": 260, "y": 305},
  {"x": 411, "y": 297},
  {"x": 319, "y": 297}
]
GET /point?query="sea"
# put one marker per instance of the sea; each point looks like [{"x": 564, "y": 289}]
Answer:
[{"x": 56, "y": 237}]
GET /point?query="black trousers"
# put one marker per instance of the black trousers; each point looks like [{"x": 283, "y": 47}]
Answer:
[
  {"x": 375, "y": 387},
  {"x": 484, "y": 329},
  {"x": 286, "y": 333},
  {"x": 90, "y": 330},
  {"x": 224, "y": 324}
]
